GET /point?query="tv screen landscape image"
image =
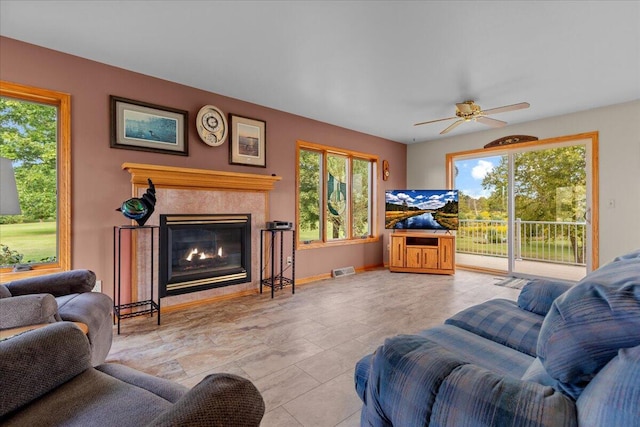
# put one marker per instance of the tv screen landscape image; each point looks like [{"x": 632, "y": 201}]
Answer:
[{"x": 421, "y": 209}]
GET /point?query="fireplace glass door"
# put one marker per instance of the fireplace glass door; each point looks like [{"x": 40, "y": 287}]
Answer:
[
  {"x": 200, "y": 252},
  {"x": 204, "y": 251}
]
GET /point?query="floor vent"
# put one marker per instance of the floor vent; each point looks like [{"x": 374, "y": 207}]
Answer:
[{"x": 344, "y": 271}]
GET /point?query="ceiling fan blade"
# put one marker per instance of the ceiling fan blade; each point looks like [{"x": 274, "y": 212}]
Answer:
[
  {"x": 433, "y": 121},
  {"x": 491, "y": 122},
  {"x": 506, "y": 108},
  {"x": 451, "y": 127}
]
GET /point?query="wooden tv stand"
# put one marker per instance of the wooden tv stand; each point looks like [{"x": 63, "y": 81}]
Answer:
[{"x": 417, "y": 252}]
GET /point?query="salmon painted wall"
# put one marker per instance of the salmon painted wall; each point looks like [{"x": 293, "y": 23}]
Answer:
[{"x": 99, "y": 184}]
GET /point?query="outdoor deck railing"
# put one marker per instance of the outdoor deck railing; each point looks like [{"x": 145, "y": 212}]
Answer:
[{"x": 557, "y": 242}]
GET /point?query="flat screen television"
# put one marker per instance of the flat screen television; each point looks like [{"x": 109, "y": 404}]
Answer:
[{"x": 421, "y": 209}]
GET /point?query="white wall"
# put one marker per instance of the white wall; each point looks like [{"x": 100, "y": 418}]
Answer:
[{"x": 619, "y": 141}]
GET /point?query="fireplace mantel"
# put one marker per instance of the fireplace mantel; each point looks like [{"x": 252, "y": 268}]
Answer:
[{"x": 195, "y": 179}]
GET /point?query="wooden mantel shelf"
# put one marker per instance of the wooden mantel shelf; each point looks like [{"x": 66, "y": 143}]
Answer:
[{"x": 198, "y": 179}]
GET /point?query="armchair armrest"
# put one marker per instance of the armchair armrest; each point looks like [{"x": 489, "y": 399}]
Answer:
[
  {"x": 94, "y": 310},
  {"x": 38, "y": 361},
  {"x": 218, "y": 400},
  {"x": 162, "y": 387},
  {"x": 58, "y": 284},
  {"x": 28, "y": 310}
]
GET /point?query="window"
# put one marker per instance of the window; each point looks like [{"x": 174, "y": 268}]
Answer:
[
  {"x": 36, "y": 136},
  {"x": 335, "y": 195}
]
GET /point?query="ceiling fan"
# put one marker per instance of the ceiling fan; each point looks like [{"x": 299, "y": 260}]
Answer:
[{"x": 468, "y": 110}]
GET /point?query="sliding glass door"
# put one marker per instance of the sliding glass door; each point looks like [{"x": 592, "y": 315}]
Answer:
[
  {"x": 527, "y": 209},
  {"x": 550, "y": 212},
  {"x": 482, "y": 237}
]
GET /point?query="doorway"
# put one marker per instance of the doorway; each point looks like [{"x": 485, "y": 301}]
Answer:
[{"x": 528, "y": 210}]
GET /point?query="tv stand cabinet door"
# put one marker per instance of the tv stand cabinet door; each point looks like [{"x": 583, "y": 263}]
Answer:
[
  {"x": 430, "y": 258},
  {"x": 414, "y": 257},
  {"x": 446, "y": 253},
  {"x": 397, "y": 254}
]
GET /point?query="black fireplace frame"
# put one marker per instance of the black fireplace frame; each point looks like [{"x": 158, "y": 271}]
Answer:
[{"x": 202, "y": 281}]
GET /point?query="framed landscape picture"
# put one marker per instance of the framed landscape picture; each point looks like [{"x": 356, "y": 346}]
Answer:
[
  {"x": 248, "y": 141},
  {"x": 142, "y": 126}
]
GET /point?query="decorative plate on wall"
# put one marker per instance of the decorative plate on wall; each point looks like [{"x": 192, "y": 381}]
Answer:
[{"x": 211, "y": 125}]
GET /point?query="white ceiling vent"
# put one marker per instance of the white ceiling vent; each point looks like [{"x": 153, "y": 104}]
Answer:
[{"x": 344, "y": 271}]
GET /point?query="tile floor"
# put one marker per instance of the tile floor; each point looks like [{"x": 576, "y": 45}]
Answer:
[{"x": 299, "y": 350}]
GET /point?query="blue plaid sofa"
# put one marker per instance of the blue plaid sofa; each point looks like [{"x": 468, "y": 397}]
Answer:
[{"x": 561, "y": 355}]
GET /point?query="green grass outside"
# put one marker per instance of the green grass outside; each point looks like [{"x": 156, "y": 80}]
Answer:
[
  {"x": 305, "y": 235},
  {"x": 561, "y": 250},
  {"x": 36, "y": 240}
]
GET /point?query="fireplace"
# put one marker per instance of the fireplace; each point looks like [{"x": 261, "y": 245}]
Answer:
[{"x": 203, "y": 251}]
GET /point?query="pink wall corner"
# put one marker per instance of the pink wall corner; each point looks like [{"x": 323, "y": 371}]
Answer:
[{"x": 99, "y": 184}]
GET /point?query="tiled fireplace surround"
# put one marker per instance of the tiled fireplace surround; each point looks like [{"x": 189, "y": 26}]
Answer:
[{"x": 198, "y": 191}]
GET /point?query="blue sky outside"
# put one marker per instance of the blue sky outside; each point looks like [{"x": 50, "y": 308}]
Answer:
[{"x": 471, "y": 173}]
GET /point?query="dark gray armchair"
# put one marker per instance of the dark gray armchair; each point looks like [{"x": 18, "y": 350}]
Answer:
[
  {"x": 60, "y": 296},
  {"x": 48, "y": 380}
]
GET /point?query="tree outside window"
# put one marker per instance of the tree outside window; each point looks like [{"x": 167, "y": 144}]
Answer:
[
  {"x": 335, "y": 192},
  {"x": 337, "y": 214},
  {"x": 35, "y": 136},
  {"x": 361, "y": 198},
  {"x": 28, "y": 137},
  {"x": 309, "y": 200}
]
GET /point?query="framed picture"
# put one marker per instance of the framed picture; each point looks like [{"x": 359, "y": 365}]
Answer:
[
  {"x": 248, "y": 141},
  {"x": 141, "y": 126}
]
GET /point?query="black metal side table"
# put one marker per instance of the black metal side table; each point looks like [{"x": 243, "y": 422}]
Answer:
[
  {"x": 277, "y": 278},
  {"x": 150, "y": 305}
]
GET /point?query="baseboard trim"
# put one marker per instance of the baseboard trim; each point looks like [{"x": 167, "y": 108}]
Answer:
[{"x": 191, "y": 304}]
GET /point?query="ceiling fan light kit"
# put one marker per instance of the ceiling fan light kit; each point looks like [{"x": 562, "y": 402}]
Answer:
[{"x": 470, "y": 111}]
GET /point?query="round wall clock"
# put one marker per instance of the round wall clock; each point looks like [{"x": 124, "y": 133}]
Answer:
[{"x": 211, "y": 125}]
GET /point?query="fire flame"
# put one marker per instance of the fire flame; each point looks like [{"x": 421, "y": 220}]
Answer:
[
  {"x": 200, "y": 255},
  {"x": 193, "y": 252}
]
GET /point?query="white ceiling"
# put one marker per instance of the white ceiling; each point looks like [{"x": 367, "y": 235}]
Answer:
[{"x": 376, "y": 67}]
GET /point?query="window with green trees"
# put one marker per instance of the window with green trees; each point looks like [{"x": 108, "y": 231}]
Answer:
[
  {"x": 35, "y": 136},
  {"x": 335, "y": 195}
]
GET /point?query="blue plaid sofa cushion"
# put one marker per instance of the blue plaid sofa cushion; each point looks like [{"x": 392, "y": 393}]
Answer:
[
  {"x": 612, "y": 398},
  {"x": 414, "y": 381},
  {"x": 479, "y": 351},
  {"x": 589, "y": 323},
  {"x": 502, "y": 321},
  {"x": 538, "y": 295}
]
